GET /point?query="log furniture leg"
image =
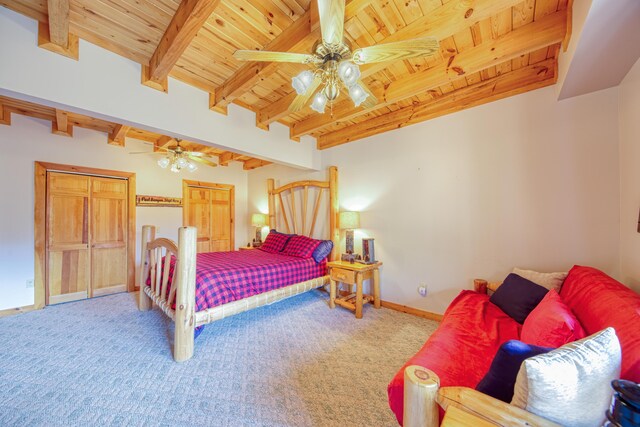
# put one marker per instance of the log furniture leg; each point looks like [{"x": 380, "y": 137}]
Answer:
[
  {"x": 332, "y": 293},
  {"x": 185, "y": 294},
  {"x": 376, "y": 288},
  {"x": 358, "y": 295},
  {"x": 148, "y": 234}
]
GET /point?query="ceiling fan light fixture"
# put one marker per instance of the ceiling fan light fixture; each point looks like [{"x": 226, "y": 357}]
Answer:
[
  {"x": 164, "y": 162},
  {"x": 357, "y": 94},
  {"x": 302, "y": 81},
  {"x": 182, "y": 162},
  {"x": 319, "y": 102},
  {"x": 191, "y": 167},
  {"x": 349, "y": 73},
  {"x": 174, "y": 168}
]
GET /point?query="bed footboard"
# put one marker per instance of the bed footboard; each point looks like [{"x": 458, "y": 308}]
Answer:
[{"x": 182, "y": 279}]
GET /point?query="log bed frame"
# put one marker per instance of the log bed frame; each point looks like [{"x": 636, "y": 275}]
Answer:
[{"x": 183, "y": 281}]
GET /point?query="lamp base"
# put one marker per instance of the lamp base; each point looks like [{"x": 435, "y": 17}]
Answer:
[
  {"x": 349, "y": 241},
  {"x": 258, "y": 240}
]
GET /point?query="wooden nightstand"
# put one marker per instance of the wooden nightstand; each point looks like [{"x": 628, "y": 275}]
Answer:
[{"x": 354, "y": 274}]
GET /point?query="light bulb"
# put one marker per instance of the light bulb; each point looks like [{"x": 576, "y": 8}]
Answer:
[
  {"x": 357, "y": 94},
  {"x": 181, "y": 162},
  {"x": 175, "y": 168},
  {"x": 192, "y": 167},
  {"x": 302, "y": 81},
  {"x": 164, "y": 162},
  {"x": 319, "y": 102},
  {"x": 349, "y": 73}
]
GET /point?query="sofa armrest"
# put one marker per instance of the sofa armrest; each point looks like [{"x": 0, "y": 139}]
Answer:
[
  {"x": 422, "y": 395},
  {"x": 488, "y": 408},
  {"x": 485, "y": 287}
]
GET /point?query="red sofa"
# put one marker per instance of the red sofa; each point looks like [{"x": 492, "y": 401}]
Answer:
[{"x": 461, "y": 350}]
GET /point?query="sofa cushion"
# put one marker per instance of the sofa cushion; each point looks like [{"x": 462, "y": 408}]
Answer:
[
  {"x": 598, "y": 301},
  {"x": 517, "y": 296},
  {"x": 462, "y": 348},
  {"x": 501, "y": 378},
  {"x": 547, "y": 280},
  {"x": 571, "y": 385},
  {"x": 551, "y": 323}
]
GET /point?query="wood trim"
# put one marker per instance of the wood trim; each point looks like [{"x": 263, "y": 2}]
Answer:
[
  {"x": 117, "y": 136},
  {"x": 72, "y": 49},
  {"x": 232, "y": 199},
  {"x": 18, "y": 310},
  {"x": 410, "y": 310},
  {"x": 567, "y": 37},
  {"x": 40, "y": 202}
]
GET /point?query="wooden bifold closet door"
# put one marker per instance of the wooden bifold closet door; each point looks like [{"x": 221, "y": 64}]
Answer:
[
  {"x": 86, "y": 236},
  {"x": 209, "y": 208}
]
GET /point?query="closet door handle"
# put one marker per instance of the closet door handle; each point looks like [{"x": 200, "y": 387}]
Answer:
[{"x": 85, "y": 220}]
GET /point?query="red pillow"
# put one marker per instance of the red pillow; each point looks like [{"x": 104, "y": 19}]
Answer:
[
  {"x": 551, "y": 323},
  {"x": 301, "y": 246},
  {"x": 275, "y": 242}
]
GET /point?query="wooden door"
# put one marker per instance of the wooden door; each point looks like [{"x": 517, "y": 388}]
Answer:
[
  {"x": 108, "y": 236},
  {"x": 199, "y": 215},
  {"x": 68, "y": 252},
  {"x": 210, "y": 209}
]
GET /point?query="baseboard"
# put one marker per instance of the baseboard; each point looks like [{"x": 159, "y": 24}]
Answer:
[
  {"x": 402, "y": 308},
  {"x": 410, "y": 310},
  {"x": 18, "y": 310}
]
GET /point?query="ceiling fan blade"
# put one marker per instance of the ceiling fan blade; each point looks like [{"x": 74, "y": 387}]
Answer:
[
  {"x": 397, "y": 50},
  {"x": 194, "y": 153},
  {"x": 331, "y": 14},
  {"x": 371, "y": 100},
  {"x": 203, "y": 161},
  {"x": 300, "y": 101},
  {"x": 267, "y": 56}
]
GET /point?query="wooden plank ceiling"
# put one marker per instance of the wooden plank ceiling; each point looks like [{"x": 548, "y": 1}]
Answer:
[
  {"x": 490, "y": 49},
  {"x": 63, "y": 123}
]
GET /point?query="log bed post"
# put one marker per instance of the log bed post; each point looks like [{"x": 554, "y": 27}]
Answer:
[
  {"x": 148, "y": 235},
  {"x": 420, "y": 391},
  {"x": 272, "y": 204},
  {"x": 334, "y": 214},
  {"x": 185, "y": 294}
]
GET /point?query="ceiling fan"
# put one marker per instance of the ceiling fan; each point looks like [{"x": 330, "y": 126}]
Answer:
[
  {"x": 177, "y": 158},
  {"x": 335, "y": 65}
]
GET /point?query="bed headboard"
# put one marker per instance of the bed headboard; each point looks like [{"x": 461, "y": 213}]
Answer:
[{"x": 299, "y": 207}]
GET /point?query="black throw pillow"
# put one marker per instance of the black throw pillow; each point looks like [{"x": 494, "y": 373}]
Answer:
[
  {"x": 500, "y": 381},
  {"x": 518, "y": 296}
]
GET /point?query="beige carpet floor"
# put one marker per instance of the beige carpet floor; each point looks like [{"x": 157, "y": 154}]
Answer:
[{"x": 293, "y": 363}]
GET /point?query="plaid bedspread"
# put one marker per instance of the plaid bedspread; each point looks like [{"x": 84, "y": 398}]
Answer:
[{"x": 223, "y": 277}]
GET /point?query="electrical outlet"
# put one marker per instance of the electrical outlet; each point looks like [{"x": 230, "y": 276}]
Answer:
[
  {"x": 29, "y": 283},
  {"x": 422, "y": 290}
]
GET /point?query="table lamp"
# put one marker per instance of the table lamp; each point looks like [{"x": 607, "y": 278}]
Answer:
[
  {"x": 349, "y": 221},
  {"x": 258, "y": 220}
]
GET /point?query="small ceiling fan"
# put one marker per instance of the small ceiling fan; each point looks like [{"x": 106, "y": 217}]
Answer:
[
  {"x": 336, "y": 66},
  {"x": 177, "y": 158}
]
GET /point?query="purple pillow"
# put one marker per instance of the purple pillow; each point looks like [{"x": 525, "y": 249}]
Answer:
[
  {"x": 518, "y": 296},
  {"x": 500, "y": 381},
  {"x": 322, "y": 251}
]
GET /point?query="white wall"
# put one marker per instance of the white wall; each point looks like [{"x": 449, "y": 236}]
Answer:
[
  {"x": 526, "y": 181},
  {"x": 630, "y": 177},
  {"x": 28, "y": 140}
]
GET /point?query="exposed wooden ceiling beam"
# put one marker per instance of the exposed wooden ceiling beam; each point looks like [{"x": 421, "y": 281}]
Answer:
[
  {"x": 299, "y": 36},
  {"x": 163, "y": 142},
  {"x": 545, "y": 32},
  {"x": 60, "y": 125},
  {"x": 59, "y": 22},
  {"x": 117, "y": 136},
  {"x": 515, "y": 82},
  {"x": 71, "y": 50},
  {"x": 226, "y": 157},
  {"x": 254, "y": 163},
  {"x": 442, "y": 22},
  {"x": 185, "y": 24},
  {"x": 5, "y": 116}
]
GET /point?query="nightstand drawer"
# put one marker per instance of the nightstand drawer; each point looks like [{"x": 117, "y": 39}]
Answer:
[{"x": 341, "y": 275}]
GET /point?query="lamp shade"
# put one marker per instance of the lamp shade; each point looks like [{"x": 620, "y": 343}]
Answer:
[
  {"x": 349, "y": 220},
  {"x": 258, "y": 220}
]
